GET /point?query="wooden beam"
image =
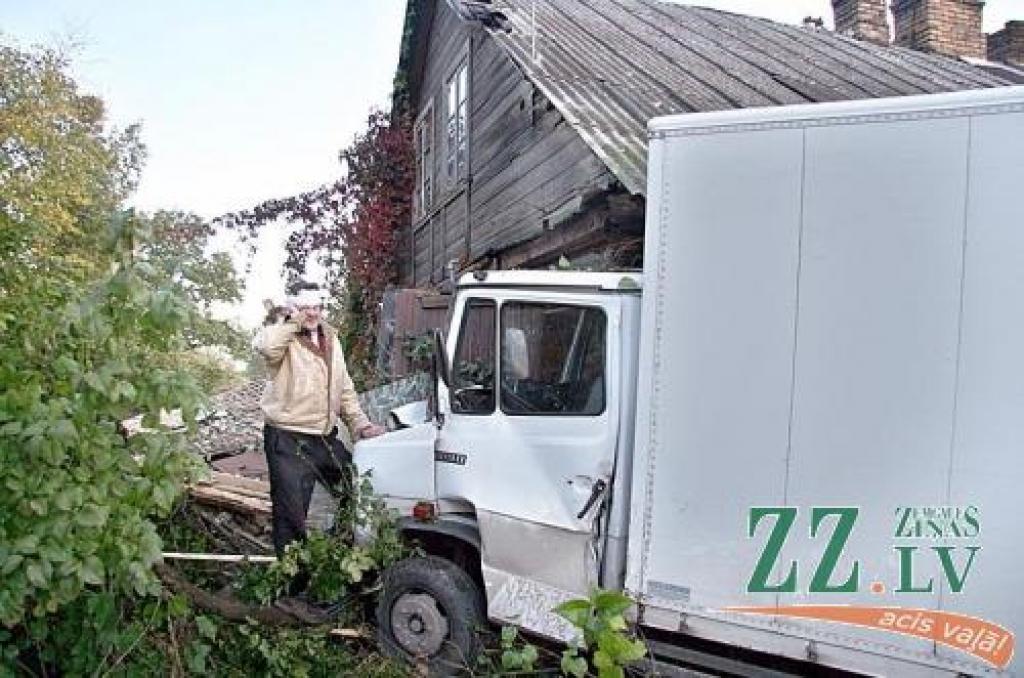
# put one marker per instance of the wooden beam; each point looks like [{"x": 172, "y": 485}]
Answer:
[
  {"x": 231, "y": 480},
  {"x": 226, "y": 499},
  {"x": 583, "y": 232}
]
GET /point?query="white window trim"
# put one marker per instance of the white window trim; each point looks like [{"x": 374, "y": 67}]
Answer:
[
  {"x": 423, "y": 173},
  {"x": 462, "y": 98}
]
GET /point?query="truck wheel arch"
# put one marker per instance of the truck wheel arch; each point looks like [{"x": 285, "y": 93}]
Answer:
[{"x": 456, "y": 541}]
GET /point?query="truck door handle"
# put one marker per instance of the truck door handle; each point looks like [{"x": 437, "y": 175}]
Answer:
[{"x": 595, "y": 493}]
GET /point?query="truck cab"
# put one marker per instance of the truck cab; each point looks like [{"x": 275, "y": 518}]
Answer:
[{"x": 513, "y": 478}]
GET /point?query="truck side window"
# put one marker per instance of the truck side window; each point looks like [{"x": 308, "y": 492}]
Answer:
[
  {"x": 552, "y": 359},
  {"x": 472, "y": 389}
]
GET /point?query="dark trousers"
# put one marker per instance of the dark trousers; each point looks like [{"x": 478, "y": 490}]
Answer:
[{"x": 296, "y": 461}]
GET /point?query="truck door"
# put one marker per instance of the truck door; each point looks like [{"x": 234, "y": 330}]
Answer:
[{"x": 529, "y": 442}]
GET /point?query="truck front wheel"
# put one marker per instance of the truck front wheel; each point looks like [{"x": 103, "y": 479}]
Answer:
[{"x": 430, "y": 609}]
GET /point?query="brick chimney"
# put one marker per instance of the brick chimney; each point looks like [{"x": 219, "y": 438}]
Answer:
[
  {"x": 950, "y": 27},
  {"x": 862, "y": 19},
  {"x": 1007, "y": 45}
]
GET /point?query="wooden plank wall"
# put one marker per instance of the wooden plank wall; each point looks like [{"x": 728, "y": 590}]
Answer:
[
  {"x": 436, "y": 236},
  {"x": 527, "y": 162},
  {"x": 407, "y": 314},
  {"x": 524, "y": 164}
]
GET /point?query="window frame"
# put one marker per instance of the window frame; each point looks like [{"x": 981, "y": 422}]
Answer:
[
  {"x": 425, "y": 175},
  {"x": 466, "y": 307},
  {"x": 456, "y": 172},
  {"x": 500, "y": 327}
]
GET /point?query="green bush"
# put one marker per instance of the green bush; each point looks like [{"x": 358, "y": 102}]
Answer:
[
  {"x": 79, "y": 500},
  {"x": 89, "y": 311}
]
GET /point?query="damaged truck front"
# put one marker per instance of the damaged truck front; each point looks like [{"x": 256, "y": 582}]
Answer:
[{"x": 512, "y": 479}]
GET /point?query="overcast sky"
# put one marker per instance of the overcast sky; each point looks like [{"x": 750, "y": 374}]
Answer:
[{"x": 244, "y": 101}]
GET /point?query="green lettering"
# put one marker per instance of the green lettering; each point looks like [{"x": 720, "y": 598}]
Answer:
[
  {"x": 772, "y": 550},
  {"x": 846, "y": 518},
  {"x": 907, "y": 571},
  {"x": 903, "y": 523},
  {"x": 956, "y": 581},
  {"x": 971, "y": 518}
]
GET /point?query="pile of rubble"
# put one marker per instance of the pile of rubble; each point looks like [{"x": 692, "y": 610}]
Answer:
[{"x": 230, "y": 436}]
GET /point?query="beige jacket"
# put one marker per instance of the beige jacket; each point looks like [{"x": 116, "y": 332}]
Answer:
[{"x": 309, "y": 385}]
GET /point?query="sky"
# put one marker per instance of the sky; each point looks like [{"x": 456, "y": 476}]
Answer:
[
  {"x": 244, "y": 101},
  {"x": 239, "y": 101}
]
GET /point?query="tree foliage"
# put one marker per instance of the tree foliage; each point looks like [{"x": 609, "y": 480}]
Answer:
[
  {"x": 63, "y": 177},
  {"x": 61, "y": 174},
  {"x": 178, "y": 252},
  {"x": 90, "y": 302},
  {"x": 352, "y": 228}
]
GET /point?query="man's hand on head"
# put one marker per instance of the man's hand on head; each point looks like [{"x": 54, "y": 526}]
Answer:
[
  {"x": 276, "y": 316},
  {"x": 307, "y": 306},
  {"x": 370, "y": 431},
  {"x": 307, "y": 317}
]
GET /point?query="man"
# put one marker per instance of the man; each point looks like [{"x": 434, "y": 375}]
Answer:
[{"x": 309, "y": 389}]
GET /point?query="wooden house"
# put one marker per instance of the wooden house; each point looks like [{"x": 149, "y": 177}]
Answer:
[{"x": 530, "y": 116}]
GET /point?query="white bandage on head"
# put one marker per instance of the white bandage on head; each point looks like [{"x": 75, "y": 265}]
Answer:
[{"x": 306, "y": 298}]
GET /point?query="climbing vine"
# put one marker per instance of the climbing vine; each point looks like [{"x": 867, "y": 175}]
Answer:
[{"x": 352, "y": 228}]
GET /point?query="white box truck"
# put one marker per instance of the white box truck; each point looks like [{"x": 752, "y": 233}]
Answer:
[{"x": 801, "y": 432}]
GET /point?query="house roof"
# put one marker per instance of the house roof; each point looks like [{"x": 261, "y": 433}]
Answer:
[{"x": 609, "y": 66}]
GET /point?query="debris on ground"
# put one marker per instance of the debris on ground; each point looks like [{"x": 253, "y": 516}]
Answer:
[
  {"x": 230, "y": 436},
  {"x": 234, "y": 493}
]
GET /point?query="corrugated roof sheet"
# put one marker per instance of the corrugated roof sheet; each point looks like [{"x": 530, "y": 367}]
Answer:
[{"x": 609, "y": 66}]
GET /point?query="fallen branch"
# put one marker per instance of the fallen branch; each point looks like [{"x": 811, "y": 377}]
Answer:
[
  {"x": 231, "y": 537},
  {"x": 237, "y": 534},
  {"x": 227, "y": 607}
]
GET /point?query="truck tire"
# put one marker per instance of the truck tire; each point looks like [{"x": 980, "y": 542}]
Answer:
[{"x": 431, "y": 610}]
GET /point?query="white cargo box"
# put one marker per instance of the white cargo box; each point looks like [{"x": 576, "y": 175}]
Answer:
[{"x": 833, "y": 317}]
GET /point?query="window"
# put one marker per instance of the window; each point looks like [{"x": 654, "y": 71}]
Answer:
[
  {"x": 552, "y": 359},
  {"x": 423, "y": 137},
  {"x": 458, "y": 95},
  {"x": 472, "y": 378}
]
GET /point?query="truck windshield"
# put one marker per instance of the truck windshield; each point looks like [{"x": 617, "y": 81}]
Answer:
[{"x": 552, "y": 359}]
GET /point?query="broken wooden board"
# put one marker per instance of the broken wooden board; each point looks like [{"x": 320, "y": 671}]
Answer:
[{"x": 233, "y": 493}]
